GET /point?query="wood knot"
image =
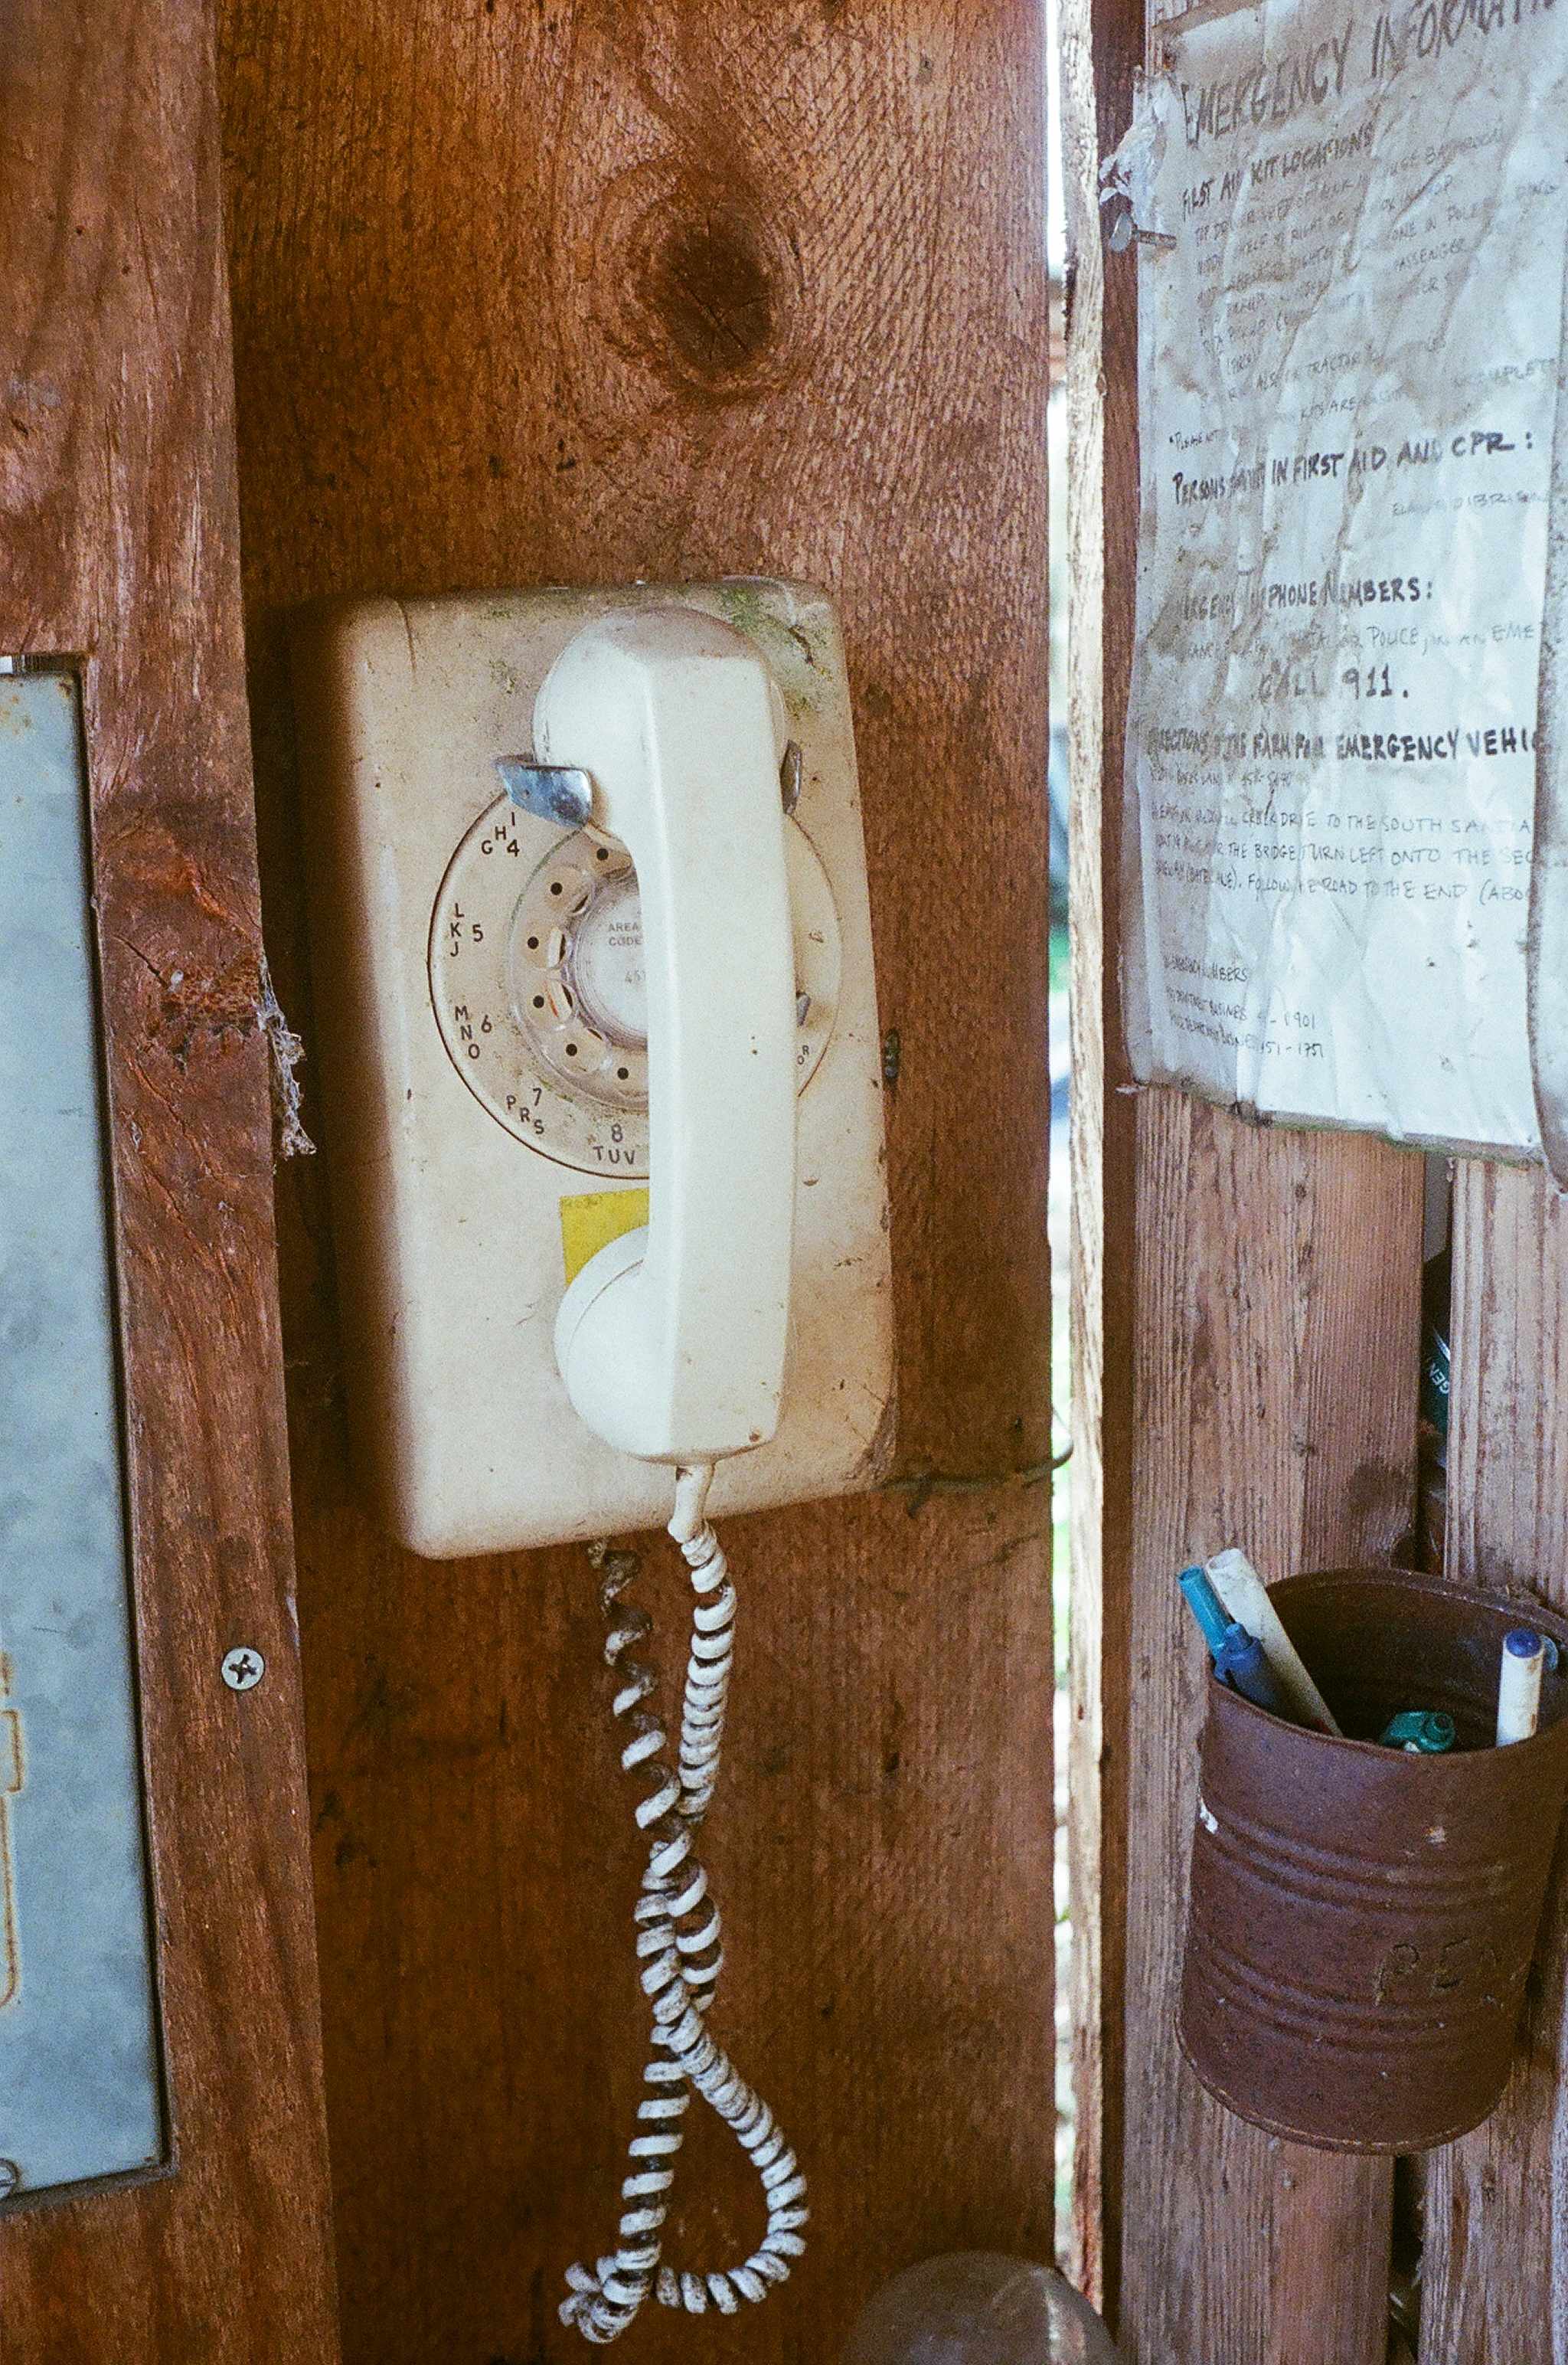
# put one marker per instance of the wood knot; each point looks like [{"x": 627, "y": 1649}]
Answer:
[
  {"x": 1375, "y": 1492},
  {"x": 696, "y": 282},
  {"x": 204, "y": 1009}
]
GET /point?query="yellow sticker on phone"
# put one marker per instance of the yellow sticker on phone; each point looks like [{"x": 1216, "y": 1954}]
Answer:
[{"x": 591, "y": 1219}]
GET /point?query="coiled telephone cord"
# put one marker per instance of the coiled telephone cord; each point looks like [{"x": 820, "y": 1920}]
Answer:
[{"x": 680, "y": 1955}]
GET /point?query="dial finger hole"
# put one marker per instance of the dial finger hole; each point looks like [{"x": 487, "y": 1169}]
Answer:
[
  {"x": 567, "y": 892},
  {"x": 543, "y": 946},
  {"x": 584, "y": 1051},
  {"x": 593, "y": 1052}
]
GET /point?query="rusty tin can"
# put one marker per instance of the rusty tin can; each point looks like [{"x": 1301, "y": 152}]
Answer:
[{"x": 1360, "y": 1922}]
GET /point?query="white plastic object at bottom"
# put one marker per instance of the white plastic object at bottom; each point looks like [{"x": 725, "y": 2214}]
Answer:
[{"x": 977, "y": 2308}]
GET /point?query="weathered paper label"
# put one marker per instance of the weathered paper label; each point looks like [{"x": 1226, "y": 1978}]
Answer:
[{"x": 1351, "y": 304}]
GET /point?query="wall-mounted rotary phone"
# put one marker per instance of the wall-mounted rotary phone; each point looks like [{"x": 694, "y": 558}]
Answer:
[{"x": 601, "y": 1067}]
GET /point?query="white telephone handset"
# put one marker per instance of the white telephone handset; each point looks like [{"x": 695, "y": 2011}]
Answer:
[
  {"x": 603, "y": 1094},
  {"x": 671, "y": 1339}
]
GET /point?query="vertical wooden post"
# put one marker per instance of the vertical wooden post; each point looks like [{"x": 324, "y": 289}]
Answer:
[
  {"x": 118, "y": 532},
  {"x": 1277, "y": 1294},
  {"x": 1495, "y": 2274},
  {"x": 1101, "y": 48},
  {"x": 1258, "y": 1388},
  {"x": 588, "y": 293}
]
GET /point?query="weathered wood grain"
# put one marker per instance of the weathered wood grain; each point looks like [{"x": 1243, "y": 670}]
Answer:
[
  {"x": 1102, "y": 46},
  {"x": 1496, "y": 2268},
  {"x": 1277, "y": 1281},
  {"x": 585, "y": 294},
  {"x": 1269, "y": 1346},
  {"x": 118, "y": 545}
]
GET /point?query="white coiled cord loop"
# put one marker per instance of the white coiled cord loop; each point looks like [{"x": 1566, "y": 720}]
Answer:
[{"x": 680, "y": 1955}]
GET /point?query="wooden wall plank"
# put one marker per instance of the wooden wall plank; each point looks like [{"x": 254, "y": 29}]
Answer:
[
  {"x": 1278, "y": 1279},
  {"x": 585, "y": 294},
  {"x": 1268, "y": 1342},
  {"x": 118, "y": 545},
  {"x": 1102, "y": 48},
  {"x": 1495, "y": 2266}
]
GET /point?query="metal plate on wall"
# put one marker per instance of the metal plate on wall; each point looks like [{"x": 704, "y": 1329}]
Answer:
[{"x": 80, "y": 2091}]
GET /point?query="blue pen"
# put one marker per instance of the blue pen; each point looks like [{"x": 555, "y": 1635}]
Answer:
[
  {"x": 1238, "y": 1656},
  {"x": 1239, "y": 1661},
  {"x": 1206, "y": 1607}
]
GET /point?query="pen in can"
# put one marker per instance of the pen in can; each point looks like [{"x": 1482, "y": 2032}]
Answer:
[
  {"x": 1243, "y": 1596},
  {"x": 1206, "y": 1606},
  {"x": 1241, "y": 1662},
  {"x": 1238, "y": 1658},
  {"x": 1519, "y": 1684}
]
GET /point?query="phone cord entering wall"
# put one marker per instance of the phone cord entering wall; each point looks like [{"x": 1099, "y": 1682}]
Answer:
[{"x": 680, "y": 1955}]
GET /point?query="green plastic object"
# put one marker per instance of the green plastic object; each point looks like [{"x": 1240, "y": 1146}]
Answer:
[
  {"x": 1428, "y": 1732},
  {"x": 975, "y": 2308}
]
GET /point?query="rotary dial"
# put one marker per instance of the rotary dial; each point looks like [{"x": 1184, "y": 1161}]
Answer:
[{"x": 540, "y": 995}]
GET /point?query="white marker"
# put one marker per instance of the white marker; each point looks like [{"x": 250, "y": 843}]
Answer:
[
  {"x": 1243, "y": 1593},
  {"x": 1519, "y": 1684}
]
